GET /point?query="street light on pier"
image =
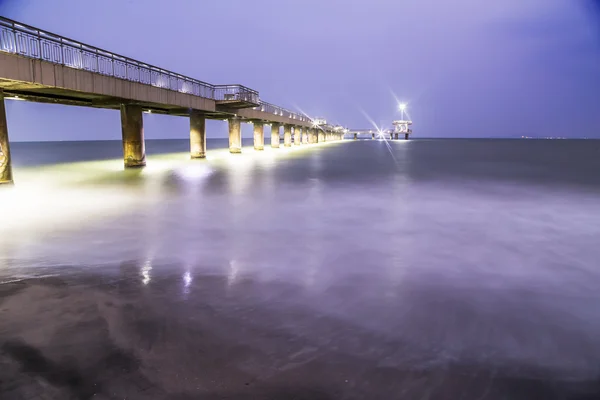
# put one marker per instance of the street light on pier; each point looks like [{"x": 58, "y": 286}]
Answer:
[{"x": 402, "y": 109}]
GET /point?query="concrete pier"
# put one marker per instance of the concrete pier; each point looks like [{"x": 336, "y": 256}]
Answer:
[
  {"x": 287, "y": 135},
  {"x": 259, "y": 135},
  {"x": 275, "y": 136},
  {"x": 391, "y": 136},
  {"x": 396, "y": 135},
  {"x": 5, "y": 160},
  {"x": 406, "y": 136},
  {"x": 305, "y": 136},
  {"x": 132, "y": 129},
  {"x": 372, "y": 136},
  {"x": 235, "y": 135},
  {"x": 356, "y": 136},
  {"x": 197, "y": 134},
  {"x": 297, "y": 135},
  {"x": 320, "y": 136}
]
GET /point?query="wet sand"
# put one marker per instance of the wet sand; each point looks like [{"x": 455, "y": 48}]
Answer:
[{"x": 91, "y": 335}]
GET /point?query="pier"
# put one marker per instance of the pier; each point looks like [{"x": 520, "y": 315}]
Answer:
[
  {"x": 40, "y": 66},
  {"x": 400, "y": 127}
]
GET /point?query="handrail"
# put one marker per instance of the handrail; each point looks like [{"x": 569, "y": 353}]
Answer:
[
  {"x": 28, "y": 41},
  {"x": 276, "y": 110},
  {"x": 34, "y": 43}
]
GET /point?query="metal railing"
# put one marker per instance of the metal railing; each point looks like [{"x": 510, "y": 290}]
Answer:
[
  {"x": 27, "y": 41},
  {"x": 236, "y": 93},
  {"x": 276, "y": 110},
  {"x": 31, "y": 42}
]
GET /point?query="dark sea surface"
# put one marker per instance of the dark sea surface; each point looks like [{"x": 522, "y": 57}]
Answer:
[{"x": 421, "y": 269}]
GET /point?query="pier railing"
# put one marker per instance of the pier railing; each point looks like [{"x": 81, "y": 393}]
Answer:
[
  {"x": 31, "y": 42},
  {"x": 276, "y": 110},
  {"x": 236, "y": 93},
  {"x": 28, "y": 41}
]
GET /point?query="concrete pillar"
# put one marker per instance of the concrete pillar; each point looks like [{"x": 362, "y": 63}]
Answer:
[
  {"x": 287, "y": 135},
  {"x": 259, "y": 136},
  {"x": 406, "y": 136},
  {"x": 305, "y": 135},
  {"x": 321, "y": 136},
  {"x": 297, "y": 136},
  {"x": 5, "y": 160},
  {"x": 396, "y": 135},
  {"x": 275, "y": 135},
  {"x": 355, "y": 136},
  {"x": 235, "y": 135},
  {"x": 197, "y": 134},
  {"x": 132, "y": 129},
  {"x": 372, "y": 136},
  {"x": 391, "y": 136}
]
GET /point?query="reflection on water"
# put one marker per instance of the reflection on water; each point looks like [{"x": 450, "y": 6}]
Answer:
[{"x": 473, "y": 259}]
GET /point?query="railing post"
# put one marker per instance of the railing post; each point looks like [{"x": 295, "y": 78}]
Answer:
[
  {"x": 39, "y": 36},
  {"x": 62, "y": 52}
]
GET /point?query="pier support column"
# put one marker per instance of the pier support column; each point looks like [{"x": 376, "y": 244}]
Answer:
[
  {"x": 5, "y": 160},
  {"x": 396, "y": 136},
  {"x": 356, "y": 136},
  {"x": 275, "y": 135},
  {"x": 406, "y": 136},
  {"x": 259, "y": 136},
  {"x": 305, "y": 135},
  {"x": 372, "y": 136},
  {"x": 287, "y": 135},
  {"x": 197, "y": 134},
  {"x": 235, "y": 135},
  {"x": 391, "y": 136},
  {"x": 320, "y": 136},
  {"x": 132, "y": 129},
  {"x": 297, "y": 136}
]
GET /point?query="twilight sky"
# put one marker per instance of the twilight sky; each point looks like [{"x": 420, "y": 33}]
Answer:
[{"x": 467, "y": 68}]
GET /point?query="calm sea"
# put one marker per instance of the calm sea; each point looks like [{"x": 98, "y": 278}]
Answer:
[{"x": 422, "y": 269}]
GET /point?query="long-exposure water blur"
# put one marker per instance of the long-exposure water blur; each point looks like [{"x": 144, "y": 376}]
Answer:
[{"x": 369, "y": 269}]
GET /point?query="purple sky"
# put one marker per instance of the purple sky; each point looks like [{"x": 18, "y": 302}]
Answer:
[{"x": 468, "y": 68}]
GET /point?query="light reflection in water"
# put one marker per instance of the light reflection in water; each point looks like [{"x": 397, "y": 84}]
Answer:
[
  {"x": 233, "y": 273},
  {"x": 145, "y": 272}
]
